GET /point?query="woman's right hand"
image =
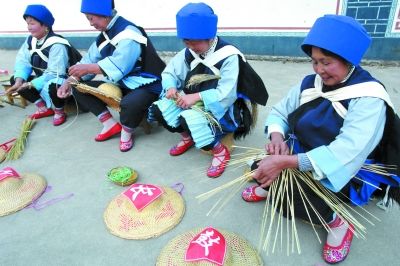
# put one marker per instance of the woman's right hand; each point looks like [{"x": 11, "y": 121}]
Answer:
[
  {"x": 172, "y": 93},
  {"x": 277, "y": 145},
  {"x": 17, "y": 85}
]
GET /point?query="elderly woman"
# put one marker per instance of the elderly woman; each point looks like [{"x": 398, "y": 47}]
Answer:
[
  {"x": 178, "y": 111},
  {"x": 44, "y": 53},
  {"x": 336, "y": 119},
  {"x": 126, "y": 57}
]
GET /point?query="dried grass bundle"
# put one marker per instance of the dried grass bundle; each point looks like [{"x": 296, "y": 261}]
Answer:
[
  {"x": 19, "y": 146},
  {"x": 200, "y": 78}
]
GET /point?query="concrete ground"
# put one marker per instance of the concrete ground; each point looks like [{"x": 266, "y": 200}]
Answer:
[{"x": 72, "y": 231}]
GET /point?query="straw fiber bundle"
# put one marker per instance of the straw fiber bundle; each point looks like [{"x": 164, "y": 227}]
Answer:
[
  {"x": 124, "y": 220},
  {"x": 17, "y": 193},
  {"x": 109, "y": 93},
  {"x": 19, "y": 146},
  {"x": 239, "y": 251},
  {"x": 123, "y": 176}
]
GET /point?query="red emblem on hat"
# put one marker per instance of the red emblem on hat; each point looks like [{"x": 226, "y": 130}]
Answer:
[
  {"x": 208, "y": 245},
  {"x": 142, "y": 195}
]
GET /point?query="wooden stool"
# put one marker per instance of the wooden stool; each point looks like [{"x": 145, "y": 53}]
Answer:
[{"x": 228, "y": 141}]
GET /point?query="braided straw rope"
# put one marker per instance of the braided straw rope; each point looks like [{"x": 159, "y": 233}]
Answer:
[
  {"x": 122, "y": 218},
  {"x": 17, "y": 193},
  {"x": 107, "y": 92},
  {"x": 238, "y": 252}
]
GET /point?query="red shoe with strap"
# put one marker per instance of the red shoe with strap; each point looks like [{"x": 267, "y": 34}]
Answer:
[
  {"x": 216, "y": 171},
  {"x": 125, "y": 146},
  {"x": 339, "y": 253},
  {"x": 114, "y": 130},
  {"x": 60, "y": 119},
  {"x": 178, "y": 150},
  {"x": 38, "y": 114},
  {"x": 249, "y": 194}
]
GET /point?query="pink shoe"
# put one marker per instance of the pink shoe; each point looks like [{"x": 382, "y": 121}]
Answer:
[
  {"x": 125, "y": 146},
  {"x": 216, "y": 171},
  {"x": 59, "y": 120},
  {"x": 339, "y": 253},
  {"x": 249, "y": 194}
]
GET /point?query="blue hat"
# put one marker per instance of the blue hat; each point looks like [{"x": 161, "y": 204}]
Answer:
[
  {"x": 97, "y": 7},
  {"x": 341, "y": 35},
  {"x": 40, "y": 13},
  {"x": 196, "y": 21}
]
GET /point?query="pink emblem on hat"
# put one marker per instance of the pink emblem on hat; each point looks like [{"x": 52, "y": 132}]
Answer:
[
  {"x": 208, "y": 245},
  {"x": 141, "y": 195}
]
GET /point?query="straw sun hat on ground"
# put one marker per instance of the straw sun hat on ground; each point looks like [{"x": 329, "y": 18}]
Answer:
[
  {"x": 18, "y": 190},
  {"x": 107, "y": 92},
  {"x": 237, "y": 251},
  {"x": 144, "y": 211}
]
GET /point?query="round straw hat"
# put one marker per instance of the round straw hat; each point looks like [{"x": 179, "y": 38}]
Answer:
[
  {"x": 107, "y": 92},
  {"x": 124, "y": 220},
  {"x": 238, "y": 252},
  {"x": 17, "y": 193}
]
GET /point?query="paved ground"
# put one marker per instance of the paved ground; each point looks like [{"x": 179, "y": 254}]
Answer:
[{"x": 72, "y": 231}]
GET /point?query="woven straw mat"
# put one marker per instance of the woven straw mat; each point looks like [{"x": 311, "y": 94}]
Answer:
[
  {"x": 238, "y": 252},
  {"x": 163, "y": 214},
  {"x": 107, "y": 92},
  {"x": 17, "y": 193}
]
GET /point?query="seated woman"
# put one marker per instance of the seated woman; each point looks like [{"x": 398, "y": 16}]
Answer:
[
  {"x": 126, "y": 57},
  {"x": 205, "y": 54},
  {"x": 336, "y": 119},
  {"x": 47, "y": 55}
]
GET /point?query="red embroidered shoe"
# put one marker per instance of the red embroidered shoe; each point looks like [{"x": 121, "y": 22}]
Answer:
[
  {"x": 114, "y": 130},
  {"x": 339, "y": 253},
  {"x": 178, "y": 150},
  {"x": 38, "y": 114},
  {"x": 125, "y": 146},
  {"x": 216, "y": 171},
  {"x": 59, "y": 120},
  {"x": 249, "y": 194}
]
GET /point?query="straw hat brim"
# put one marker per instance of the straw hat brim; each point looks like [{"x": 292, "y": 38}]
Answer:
[
  {"x": 238, "y": 252},
  {"x": 124, "y": 220},
  {"x": 110, "y": 100},
  {"x": 16, "y": 194}
]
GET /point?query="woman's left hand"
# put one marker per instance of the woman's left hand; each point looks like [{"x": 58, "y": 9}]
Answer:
[{"x": 188, "y": 100}]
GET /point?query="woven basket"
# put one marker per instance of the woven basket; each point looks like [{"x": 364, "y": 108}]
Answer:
[
  {"x": 124, "y": 220},
  {"x": 239, "y": 251},
  {"x": 17, "y": 193},
  {"x": 109, "y": 93},
  {"x": 123, "y": 176}
]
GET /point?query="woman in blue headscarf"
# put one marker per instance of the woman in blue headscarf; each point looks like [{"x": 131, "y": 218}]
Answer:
[
  {"x": 45, "y": 54},
  {"x": 125, "y": 56},
  {"x": 336, "y": 119}
]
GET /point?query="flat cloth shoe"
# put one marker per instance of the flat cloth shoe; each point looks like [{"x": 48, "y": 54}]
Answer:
[
  {"x": 114, "y": 130},
  {"x": 38, "y": 114},
  {"x": 178, "y": 150},
  {"x": 216, "y": 171},
  {"x": 339, "y": 253},
  {"x": 59, "y": 120},
  {"x": 125, "y": 146},
  {"x": 249, "y": 194}
]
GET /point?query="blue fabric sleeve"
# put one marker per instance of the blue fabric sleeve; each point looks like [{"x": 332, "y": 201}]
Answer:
[{"x": 23, "y": 67}]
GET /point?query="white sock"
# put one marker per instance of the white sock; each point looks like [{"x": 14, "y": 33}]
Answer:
[
  {"x": 125, "y": 135},
  {"x": 261, "y": 192},
  {"x": 109, "y": 123},
  {"x": 338, "y": 231}
]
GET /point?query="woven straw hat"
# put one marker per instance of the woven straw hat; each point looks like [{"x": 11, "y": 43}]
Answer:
[
  {"x": 239, "y": 251},
  {"x": 17, "y": 193},
  {"x": 124, "y": 220},
  {"x": 107, "y": 92}
]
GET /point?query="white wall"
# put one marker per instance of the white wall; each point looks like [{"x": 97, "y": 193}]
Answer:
[{"x": 159, "y": 15}]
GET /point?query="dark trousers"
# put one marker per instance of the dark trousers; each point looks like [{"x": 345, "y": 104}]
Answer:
[
  {"x": 134, "y": 103},
  {"x": 57, "y": 102},
  {"x": 183, "y": 127}
]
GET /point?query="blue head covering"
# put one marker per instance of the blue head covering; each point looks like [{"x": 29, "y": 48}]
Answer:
[
  {"x": 97, "y": 7},
  {"x": 40, "y": 13},
  {"x": 196, "y": 21},
  {"x": 341, "y": 35}
]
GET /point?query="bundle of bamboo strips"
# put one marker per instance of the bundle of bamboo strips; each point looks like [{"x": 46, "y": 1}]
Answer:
[{"x": 18, "y": 148}]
